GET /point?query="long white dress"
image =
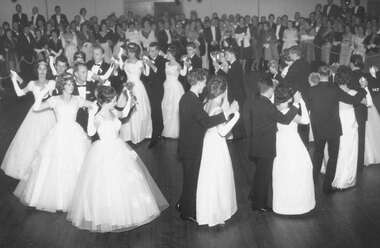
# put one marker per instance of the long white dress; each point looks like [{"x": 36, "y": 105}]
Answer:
[
  {"x": 173, "y": 92},
  {"x": 372, "y": 137},
  {"x": 115, "y": 190},
  {"x": 359, "y": 46},
  {"x": 293, "y": 185},
  {"x": 216, "y": 196},
  {"x": 139, "y": 126},
  {"x": 25, "y": 143},
  {"x": 56, "y": 165},
  {"x": 345, "y": 175}
]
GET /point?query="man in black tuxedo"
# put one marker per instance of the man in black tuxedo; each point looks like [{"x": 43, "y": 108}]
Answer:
[
  {"x": 97, "y": 65},
  {"x": 297, "y": 76},
  {"x": 58, "y": 17},
  {"x": 156, "y": 80},
  {"x": 318, "y": 40},
  {"x": 236, "y": 90},
  {"x": 194, "y": 122},
  {"x": 330, "y": 10},
  {"x": 260, "y": 121},
  {"x": 190, "y": 63},
  {"x": 213, "y": 36},
  {"x": 358, "y": 11},
  {"x": 324, "y": 115},
  {"x": 36, "y": 17},
  {"x": 164, "y": 36},
  {"x": 20, "y": 17},
  {"x": 26, "y": 53},
  {"x": 85, "y": 90},
  {"x": 361, "y": 110},
  {"x": 280, "y": 28}
]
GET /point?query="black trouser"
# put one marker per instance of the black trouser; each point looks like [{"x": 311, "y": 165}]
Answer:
[
  {"x": 190, "y": 183},
  {"x": 155, "y": 97},
  {"x": 303, "y": 131},
  {"x": 262, "y": 182},
  {"x": 333, "y": 148},
  {"x": 361, "y": 146}
]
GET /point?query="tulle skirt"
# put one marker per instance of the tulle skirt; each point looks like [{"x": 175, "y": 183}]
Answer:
[
  {"x": 173, "y": 92},
  {"x": 20, "y": 153},
  {"x": 115, "y": 190},
  {"x": 55, "y": 168}
]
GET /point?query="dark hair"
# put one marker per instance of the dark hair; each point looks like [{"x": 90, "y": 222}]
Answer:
[
  {"x": 216, "y": 85},
  {"x": 62, "y": 81},
  {"x": 191, "y": 44},
  {"x": 172, "y": 49},
  {"x": 295, "y": 50},
  {"x": 265, "y": 84},
  {"x": 283, "y": 93},
  {"x": 63, "y": 59},
  {"x": 104, "y": 94},
  {"x": 357, "y": 61},
  {"x": 99, "y": 47},
  {"x": 231, "y": 50},
  {"x": 324, "y": 71},
  {"x": 81, "y": 10},
  {"x": 79, "y": 54},
  {"x": 343, "y": 75},
  {"x": 134, "y": 48},
  {"x": 155, "y": 44},
  {"x": 196, "y": 75}
]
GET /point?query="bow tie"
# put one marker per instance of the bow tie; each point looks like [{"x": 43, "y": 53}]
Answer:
[
  {"x": 98, "y": 64},
  {"x": 82, "y": 85}
]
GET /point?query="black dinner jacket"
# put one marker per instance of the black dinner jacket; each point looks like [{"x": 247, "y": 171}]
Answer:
[
  {"x": 39, "y": 17},
  {"x": 194, "y": 122},
  {"x": 64, "y": 20},
  {"x": 163, "y": 38},
  {"x": 196, "y": 62},
  {"x": 334, "y": 11},
  {"x": 324, "y": 108},
  {"x": 260, "y": 117},
  {"x": 24, "y": 47},
  {"x": 23, "y": 21},
  {"x": 208, "y": 35},
  {"x": 103, "y": 67},
  {"x": 158, "y": 78},
  {"x": 361, "y": 110},
  {"x": 82, "y": 115},
  {"x": 360, "y": 13},
  {"x": 235, "y": 82}
]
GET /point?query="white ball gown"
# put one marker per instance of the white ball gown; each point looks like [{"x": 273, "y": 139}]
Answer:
[
  {"x": 139, "y": 125},
  {"x": 346, "y": 166},
  {"x": 56, "y": 165},
  {"x": 115, "y": 190},
  {"x": 25, "y": 143},
  {"x": 372, "y": 137},
  {"x": 216, "y": 195},
  {"x": 293, "y": 184},
  {"x": 173, "y": 92}
]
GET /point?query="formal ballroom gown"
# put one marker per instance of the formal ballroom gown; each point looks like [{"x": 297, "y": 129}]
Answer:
[
  {"x": 293, "y": 185},
  {"x": 25, "y": 143},
  {"x": 345, "y": 175},
  {"x": 216, "y": 195},
  {"x": 139, "y": 125},
  {"x": 173, "y": 92},
  {"x": 372, "y": 137},
  {"x": 56, "y": 165},
  {"x": 115, "y": 190}
]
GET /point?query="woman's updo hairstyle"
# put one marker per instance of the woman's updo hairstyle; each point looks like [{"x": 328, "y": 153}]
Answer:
[
  {"x": 216, "y": 86},
  {"x": 62, "y": 80},
  {"x": 104, "y": 94},
  {"x": 172, "y": 49},
  {"x": 134, "y": 48},
  {"x": 357, "y": 61},
  {"x": 343, "y": 75},
  {"x": 283, "y": 93}
]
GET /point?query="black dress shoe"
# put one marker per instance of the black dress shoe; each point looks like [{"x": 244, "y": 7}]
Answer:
[
  {"x": 189, "y": 218},
  {"x": 153, "y": 143},
  {"x": 178, "y": 207}
]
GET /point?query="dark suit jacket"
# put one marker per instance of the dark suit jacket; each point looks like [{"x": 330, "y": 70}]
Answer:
[
  {"x": 63, "y": 19},
  {"x": 163, "y": 38},
  {"x": 23, "y": 20},
  {"x": 334, "y": 11},
  {"x": 194, "y": 122},
  {"x": 24, "y": 47},
  {"x": 158, "y": 78},
  {"x": 361, "y": 111},
  {"x": 196, "y": 62},
  {"x": 324, "y": 108},
  {"x": 103, "y": 67},
  {"x": 209, "y": 38},
  {"x": 360, "y": 13},
  {"x": 82, "y": 115},
  {"x": 260, "y": 121},
  {"x": 235, "y": 82},
  {"x": 39, "y": 18}
]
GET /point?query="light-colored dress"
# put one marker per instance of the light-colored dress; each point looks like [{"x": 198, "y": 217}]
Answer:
[
  {"x": 33, "y": 129},
  {"x": 69, "y": 44},
  {"x": 346, "y": 50},
  {"x": 115, "y": 191},
  {"x": 173, "y": 92},
  {"x": 290, "y": 38},
  {"x": 56, "y": 165},
  {"x": 139, "y": 125},
  {"x": 216, "y": 195},
  {"x": 345, "y": 175},
  {"x": 372, "y": 136},
  {"x": 293, "y": 185},
  {"x": 359, "y": 46}
]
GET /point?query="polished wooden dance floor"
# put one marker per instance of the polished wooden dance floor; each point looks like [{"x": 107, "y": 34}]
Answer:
[{"x": 346, "y": 219}]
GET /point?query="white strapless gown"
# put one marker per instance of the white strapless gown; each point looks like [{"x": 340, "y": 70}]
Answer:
[
  {"x": 173, "y": 92},
  {"x": 115, "y": 190},
  {"x": 139, "y": 125},
  {"x": 55, "y": 168}
]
